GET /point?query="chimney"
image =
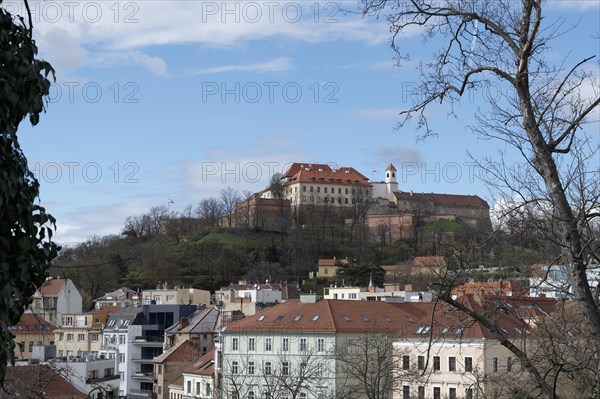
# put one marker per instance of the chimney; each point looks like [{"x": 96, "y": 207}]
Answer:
[
  {"x": 478, "y": 296},
  {"x": 183, "y": 322}
]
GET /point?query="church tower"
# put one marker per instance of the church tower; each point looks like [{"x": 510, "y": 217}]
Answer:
[{"x": 390, "y": 182}]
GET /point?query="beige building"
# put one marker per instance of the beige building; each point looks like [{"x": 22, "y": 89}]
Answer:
[
  {"x": 177, "y": 295},
  {"x": 29, "y": 331},
  {"x": 80, "y": 334},
  {"x": 327, "y": 268},
  {"x": 319, "y": 184},
  {"x": 450, "y": 355}
]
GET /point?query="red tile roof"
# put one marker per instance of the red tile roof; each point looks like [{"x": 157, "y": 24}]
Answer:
[
  {"x": 52, "y": 287},
  {"x": 317, "y": 173},
  {"x": 489, "y": 288},
  {"x": 329, "y": 315},
  {"x": 30, "y": 323},
  {"x": 391, "y": 168},
  {"x": 203, "y": 366},
  {"x": 443, "y": 199},
  {"x": 33, "y": 380},
  {"x": 429, "y": 261}
]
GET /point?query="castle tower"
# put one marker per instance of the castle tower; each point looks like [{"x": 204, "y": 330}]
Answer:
[{"x": 390, "y": 182}]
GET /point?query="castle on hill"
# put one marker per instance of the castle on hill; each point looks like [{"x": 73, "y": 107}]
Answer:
[{"x": 341, "y": 194}]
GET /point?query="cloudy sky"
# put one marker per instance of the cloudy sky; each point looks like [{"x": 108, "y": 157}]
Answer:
[{"x": 180, "y": 99}]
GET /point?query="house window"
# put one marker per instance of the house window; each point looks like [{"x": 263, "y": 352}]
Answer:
[
  {"x": 451, "y": 363},
  {"x": 312, "y": 189},
  {"x": 68, "y": 321},
  {"x": 122, "y": 338},
  {"x": 285, "y": 368},
  {"x": 94, "y": 337},
  {"x": 197, "y": 387},
  {"x": 320, "y": 344},
  {"x": 70, "y": 337},
  {"x": 405, "y": 362},
  {"x": 304, "y": 189},
  {"x": 421, "y": 362},
  {"x": 234, "y": 367},
  {"x": 189, "y": 387},
  {"x": 468, "y": 393},
  {"x": 494, "y": 364},
  {"x": 235, "y": 344},
  {"x": 157, "y": 299},
  {"x": 268, "y": 368},
  {"x": 285, "y": 345},
  {"x": 121, "y": 358},
  {"x": 61, "y": 336},
  {"x": 437, "y": 393},
  {"x": 268, "y": 344},
  {"x": 452, "y": 393},
  {"x": 405, "y": 392},
  {"x": 251, "y": 368},
  {"x": 325, "y": 190},
  {"x": 421, "y": 392},
  {"x": 251, "y": 344},
  {"x": 436, "y": 363},
  {"x": 468, "y": 364},
  {"x": 318, "y": 189},
  {"x": 509, "y": 364},
  {"x": 170, "y": 298},
  {"x": 345, "y": 200},
  {"x": 346, "y": 191},
  {"x": 302, "y": 345}
]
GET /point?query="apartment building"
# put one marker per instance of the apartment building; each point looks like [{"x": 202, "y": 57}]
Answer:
[
  {"x": 122, "y": 297},
  {"x": 80, "y": 334},
  {"x": 133, "y": 337},
  {"x": 31, "y": 330},
  {"x": 56, "y": 297},
  {"x": 251, "y": 298},
  {"x": 289, "y": 350},
  {"x": 177, "y": 295},
  {"x": 448, "y": 354}
]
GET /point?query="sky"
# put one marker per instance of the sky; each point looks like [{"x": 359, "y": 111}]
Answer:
[{"x": 176, "y": 99}]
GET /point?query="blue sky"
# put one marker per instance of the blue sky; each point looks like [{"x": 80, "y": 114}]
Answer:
[{"x": 179, "y": 99}]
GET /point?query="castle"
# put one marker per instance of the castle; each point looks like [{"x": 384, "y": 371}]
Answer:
[{"x": 344, "y": 193}]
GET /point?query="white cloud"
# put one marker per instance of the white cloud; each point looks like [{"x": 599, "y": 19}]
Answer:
[
  {"x": 155, "y": 65},
  {"x": 275, "y": 65}
]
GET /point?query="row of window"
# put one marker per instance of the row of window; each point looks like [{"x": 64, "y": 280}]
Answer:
[
  {"x": 266, "y": 395},
  {"x": 327, "y": 200},
  {"x": 467, "y": 364},
  {"x": 311, "y": 189},
  {"x": 198, "y": 388},
  {"x": 452, "y": 363},
  {"x": 80, "y": 337},
  {"x": 436, "y": 391},
  {"x": 251, "y": 368},
  {"x": 285, "y": 344}
]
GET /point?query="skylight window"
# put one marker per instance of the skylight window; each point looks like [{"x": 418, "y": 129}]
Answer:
[
  {"x": 279, "y": 318},
  {"x": 365, "y": 318},
  {"x": 261, "y": 318},
  {"x": 423, "y": 329},
  {"x": 445, "y": 330},
  {"x": 316, "y": 317},
  {"x": 386, "y": 318},
  {"x": 459, "y": 330},
  {"x": 298, "y": 317},
  {"x": 346, "y": 318}
]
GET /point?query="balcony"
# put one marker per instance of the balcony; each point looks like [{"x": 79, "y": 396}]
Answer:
[
  {"x": 142, "y": 359},
  {"x": 148, "y": 341},
  {"x": 140, "y": 394},
  {"x": 138, "y": 375}
]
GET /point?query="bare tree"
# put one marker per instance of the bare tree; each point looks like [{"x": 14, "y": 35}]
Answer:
[
  {"x": 209, "y": 211},
  {"x": 540, "y": 110},
  {"x": 228, "y": 198}
]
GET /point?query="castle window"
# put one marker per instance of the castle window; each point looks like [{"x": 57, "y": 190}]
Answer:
[
  {"x": 312, "y": 189},
  {"x": 318, "y": 189},
  {"x": 345, "y": 200},
  {"x": 304, "y": 189},
  {"x": 325, "y": 190}
]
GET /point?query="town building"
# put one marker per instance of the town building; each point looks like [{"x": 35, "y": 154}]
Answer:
[
  {"x": 327, "y": 268},
  {"x": 199, "y": 379},
  {"x": 122, "y": 297},
  {"x": 31, "y": 330},
  {"x": 133, "y": 337},
  {"x": 37, "y": 381},
  {"x": 387, "y": 293},
  {"x": 498, "y": 288},
  {"x": 289, "y": 350},
  {"x": 95, "y": 377},
  {"x": 163, "y": 295},
  {"x": 192, "y": 337},
  {"x": 448, "y": 354},
  {"x": 252, "y": 298},
  {"x": 80, "y": 334},
  {"x": 54, "y": 298}
]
